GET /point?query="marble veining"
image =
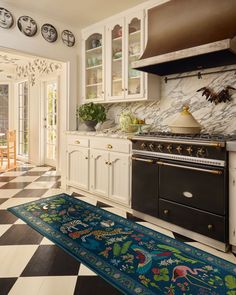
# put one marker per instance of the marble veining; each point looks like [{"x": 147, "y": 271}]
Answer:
[{"x": 220, "y": 118}]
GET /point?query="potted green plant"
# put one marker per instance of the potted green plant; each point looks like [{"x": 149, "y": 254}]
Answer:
[{"x": 91, "y": 113}]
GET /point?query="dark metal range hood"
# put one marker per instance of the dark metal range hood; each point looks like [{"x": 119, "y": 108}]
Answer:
[{"x": 188, "y": 35}]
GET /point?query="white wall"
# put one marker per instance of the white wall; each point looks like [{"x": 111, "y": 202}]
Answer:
[{"x": 13, "y": 39}]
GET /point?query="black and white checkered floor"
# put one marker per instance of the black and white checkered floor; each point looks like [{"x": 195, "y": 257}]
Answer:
[{"x": 29, "y": 263}]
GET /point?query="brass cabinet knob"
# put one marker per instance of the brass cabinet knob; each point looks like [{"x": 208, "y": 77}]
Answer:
[
  {"x": 77, "y": 141},
  {"x": 210, "y": 226},
  {"x": 106, "y": 163},
  {"x": 86, "y": 158},
  {"x": 166, "y": 211},
  {"x": 109, "y": 146},
  {"x": 109, "y": 163}
]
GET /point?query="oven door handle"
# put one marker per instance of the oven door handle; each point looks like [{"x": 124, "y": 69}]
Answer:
[
  {"x": 217, "y": 172},
  {"x": 142, "y": 160}
]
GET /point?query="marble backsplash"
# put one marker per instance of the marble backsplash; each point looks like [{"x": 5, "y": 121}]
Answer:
[{"x": 220, "y": 118}]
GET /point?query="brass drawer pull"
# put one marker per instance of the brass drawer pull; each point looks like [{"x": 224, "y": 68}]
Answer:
[
  {"x": 77, "y": 141},
  {"x": 217, "y": 172},
  {"x": 166, "y": 212},
  {"x": 210, "y": 227},
  {"x": 109, "y": 146},
  {"x": 142, "y": 160}
]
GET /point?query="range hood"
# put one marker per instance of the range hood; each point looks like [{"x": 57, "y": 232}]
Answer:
[{"x": 188, "y": 35}]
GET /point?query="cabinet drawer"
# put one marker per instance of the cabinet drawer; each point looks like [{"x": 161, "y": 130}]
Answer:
[
  {"x": 77, "y": 140},
  {"x": 211, "y": 225},
  {"x": 115, "y": 145}
]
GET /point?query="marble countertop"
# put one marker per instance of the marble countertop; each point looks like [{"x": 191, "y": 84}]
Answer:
[{"x": 113, "y": 134}]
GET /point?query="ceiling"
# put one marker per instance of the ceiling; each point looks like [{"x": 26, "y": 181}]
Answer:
[{"x": 79, "y": 13}]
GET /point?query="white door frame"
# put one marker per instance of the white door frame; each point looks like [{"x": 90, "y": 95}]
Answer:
[
  {"x": 51, "y": 78},
  {"x": 16, "y": 115}
]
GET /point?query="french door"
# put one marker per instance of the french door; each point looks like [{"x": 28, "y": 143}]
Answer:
[
  {"x": 50, "y": 122},
  {"x": 23, "y": 120}
]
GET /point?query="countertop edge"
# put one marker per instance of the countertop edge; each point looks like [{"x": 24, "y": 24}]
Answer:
[
  {"x": 231, "y": 146},
  {"x": 120, "y": 135}
]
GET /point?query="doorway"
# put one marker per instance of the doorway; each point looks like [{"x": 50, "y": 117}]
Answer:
[{"x": 50, "y": 122}]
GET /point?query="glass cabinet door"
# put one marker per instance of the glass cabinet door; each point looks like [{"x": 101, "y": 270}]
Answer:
[
  {"x": 134, "y": 86},
  {"x": 94, "y": 67},
  {"x": 117, "y": 61}
]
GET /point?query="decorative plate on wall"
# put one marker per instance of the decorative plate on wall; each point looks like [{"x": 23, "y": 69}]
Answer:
[
  {"x": 27, "y": 25},
  {"x": 68, "y": 38},
  {"x": 6, "y": 18},
  {"x": 49, "y": 33}
]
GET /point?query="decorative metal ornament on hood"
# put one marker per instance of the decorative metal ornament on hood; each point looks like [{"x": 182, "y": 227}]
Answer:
[{"x": 187, "y": 35}]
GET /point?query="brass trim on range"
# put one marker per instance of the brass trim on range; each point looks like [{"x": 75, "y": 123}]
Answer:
[
  {"x": 217, "y": 172},
  {"x": 142, "y": 160},
  {"x": 200, "y": 142}
]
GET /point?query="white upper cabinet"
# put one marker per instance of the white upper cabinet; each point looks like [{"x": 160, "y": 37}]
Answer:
[
  {"x": 134, "y": 80},
  {"x": 93, "y": 65},
  {"x": 115, "y": 60},
  {"x": 107, "y": 72},
  {"x": 125, "y": 38}
]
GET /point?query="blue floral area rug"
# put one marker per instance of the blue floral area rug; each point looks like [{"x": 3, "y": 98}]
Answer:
[{"x": 131, "y": 257}]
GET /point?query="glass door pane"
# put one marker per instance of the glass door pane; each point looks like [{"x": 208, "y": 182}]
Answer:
[
  {"x": 23, "y": 119},
  {"x": 51, "y": 123},
  {"x": 94, "y": 67},
  {"x": 134, "y": 47},
  {"x": 117, "y": 61},
  {"x": 4, "y": 109}
]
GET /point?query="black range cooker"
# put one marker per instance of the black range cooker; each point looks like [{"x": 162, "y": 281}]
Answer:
[{"x": 183, "y": 179}]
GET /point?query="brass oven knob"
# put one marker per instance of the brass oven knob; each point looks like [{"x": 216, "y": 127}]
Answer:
[
  {"x": 151, "y": 146},
  {"x": 169, "y": 148},
  {"x": 160, "y": 147},
  {"x": 189, "y": 149},
  {"x": 179, "y": 149},
  {"x": 166, "y": 212},
  {"x": 210, "y": 227},
  {"x": 201, "y": 152},
  {"x": 143, "y": 145}
]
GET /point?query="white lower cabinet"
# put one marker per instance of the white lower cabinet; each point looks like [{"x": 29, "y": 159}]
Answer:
[
  {"x": 119, "y": 177},
  {"x": 100, "y": 166},
  {"x": 110, "y": 175},
  {"x": 78, "y": 167},
  {"x": 99, "y": 172}
]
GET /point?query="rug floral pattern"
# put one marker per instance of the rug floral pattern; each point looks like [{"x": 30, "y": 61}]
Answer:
[{"x": 133, "y": 258}]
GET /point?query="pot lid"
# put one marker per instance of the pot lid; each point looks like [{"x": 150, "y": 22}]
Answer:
[{"x": 185, "y": 119}]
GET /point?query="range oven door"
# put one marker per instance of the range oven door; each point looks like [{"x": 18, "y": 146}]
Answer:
[
  {"x": 145, "y": 185},
  {"x": 194, "y": 197},
  {"x": 199, "y": 186}
]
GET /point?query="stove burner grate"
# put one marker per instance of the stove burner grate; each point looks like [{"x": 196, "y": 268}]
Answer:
[{"x": 201, "y": 136}]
